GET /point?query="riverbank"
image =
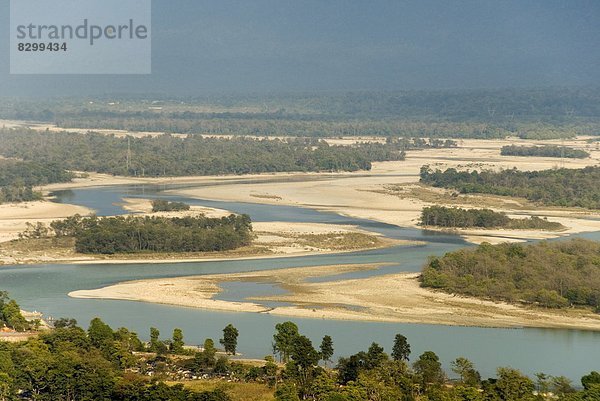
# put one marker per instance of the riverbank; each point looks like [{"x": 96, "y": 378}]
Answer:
[
  {"x": 15, "y": 216},
  {"x": 384, "y": 298},
  {"x": 272, "y": 240}
]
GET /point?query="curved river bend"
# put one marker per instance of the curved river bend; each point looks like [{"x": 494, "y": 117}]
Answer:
[{"x": 557, "y": 352}]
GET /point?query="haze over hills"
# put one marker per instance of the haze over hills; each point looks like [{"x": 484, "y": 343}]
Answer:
[{"x": 273, "y": 46}]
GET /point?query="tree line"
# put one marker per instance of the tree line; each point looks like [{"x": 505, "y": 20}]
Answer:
[
  {"x": 454, "y": 217},
  {"x": 167, "y": 155},
  {"x": 132, "y": 234},
  {"x": 100, "y": 363},
  {"x": 544, "y": 151},
  {"x": 17, "y": 179},
  {"x": 550, "y": 274},
  {"x": 558, "y": 187}
]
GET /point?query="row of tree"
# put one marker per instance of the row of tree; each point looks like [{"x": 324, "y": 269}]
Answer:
[
  {"x": 540, "y": 113},
  {"x": 558, "y": 187},
  {"x": 551, "y": 274},
  {"x": 17, "y": 179},
  {"x": 69, "y": 363},
  {"x": 167, "y": 155},
  {"x": 109, "y": 235},
  {"x": 544, "y": 151},
  {"x": 454, "y": 217}
]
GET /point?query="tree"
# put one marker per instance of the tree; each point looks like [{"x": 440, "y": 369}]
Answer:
[
  {"x": 229, "y": 340},
  {"x": 206, "y": 359},
  {"x": 512, "y": 385},
  {"x": 177, "y": 342},
  {"x": 155, "y": 344},
  {"x": 590, "y": 380},
  {"x": 562, "y": 386},
  {"x": 429, "y": 368},
  {"x": 11, "y": 314},
  {"x": 283, "y": 340},
  {"x": 100, "y": 333},
  {"x": 326, "y": 349},
  {"x": 466, "y": 370},
  {"x": 401, "y": 349},
  {"x": 375, "y": 356}
]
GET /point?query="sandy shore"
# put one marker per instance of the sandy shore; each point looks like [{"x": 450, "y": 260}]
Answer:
[
  {"x": 272, "y": 240},
  {"x": 386, "y": 298},
  {"x": 15, "y": 216}
]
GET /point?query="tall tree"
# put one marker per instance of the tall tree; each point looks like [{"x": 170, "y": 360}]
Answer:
[
  {"x": 177, "y": 342},
  {"x": 429, "y": 368},
  {"x": 100, "y": 333},
  {"x": 283, "y": 340},
  {"x": 154, "y": 340},
  {"x": 401, "y": 349},
  {"x": 229, "y": 340},
  {"x": 326, "y": 349},
  {"x": 466, "y": 371}
]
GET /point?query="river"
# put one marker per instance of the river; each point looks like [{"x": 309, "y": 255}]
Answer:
[{"x": 44, "y": 288}]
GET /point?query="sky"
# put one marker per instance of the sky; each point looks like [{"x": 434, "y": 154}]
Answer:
[{"x": 264, "y": 46}]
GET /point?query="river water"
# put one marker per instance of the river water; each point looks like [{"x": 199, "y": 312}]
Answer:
[{"x": 571, "y": 353}]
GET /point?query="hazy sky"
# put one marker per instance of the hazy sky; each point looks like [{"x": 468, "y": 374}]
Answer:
[{"x": 204, "y": 46}]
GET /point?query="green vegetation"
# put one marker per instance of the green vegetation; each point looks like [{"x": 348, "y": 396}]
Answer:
[
  {"x": 133, "y": 234},
  {"x": 17, "y": 179},
  {"x": 544, "y": 151},
  {"x": 560, "y": 187},
  {"x": 229, "y": 340},
  {"x": 193, "y": 155},
  {"x": 70, "y": 363},
  {"x": 454, "y": 217},
  {"x": 528, "y": 113},
  {"x": 550, "y": 274},
  {"x": 10, "y": 314},
  {"x": 159, "y": 205}
]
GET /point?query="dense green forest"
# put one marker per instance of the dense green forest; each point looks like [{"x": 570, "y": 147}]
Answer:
[
  {"x": 559, "y": 187},
  {"x": 551, "y": 274},
  {"x": 110, "y": 235},
  {"x": 544, "y": 151},
  {"x": 100, "y": 363},
  {"x": 17, "y": 179},
  {"x": 528, "y": 113},
  {"x": 453, "y": 217},
  {"x": 194, "y": 155}
]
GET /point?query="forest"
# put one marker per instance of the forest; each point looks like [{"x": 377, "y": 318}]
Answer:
[
  {"x": 132, "y": 234},
  {"x": 454, "y": 217},
  {"x": 558, "y": 187},
  {"x": 68, "y": 362},
  {"x": 544, "y": 151},
  {"x": 193, "y": 155},
  {"x": 17, "y": 179},
  {"x": 527, "y": 113},
  {"x": 549, "y": 274}
]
